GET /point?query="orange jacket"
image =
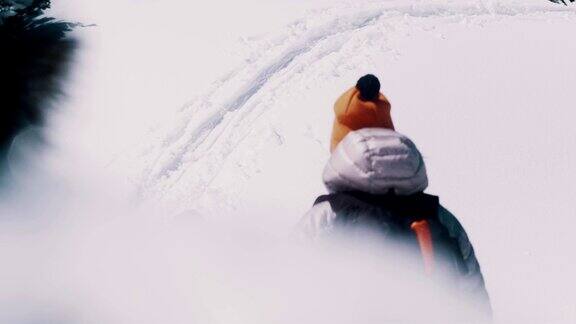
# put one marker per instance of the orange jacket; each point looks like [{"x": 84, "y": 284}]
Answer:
[{"x": 353, "y": 113}]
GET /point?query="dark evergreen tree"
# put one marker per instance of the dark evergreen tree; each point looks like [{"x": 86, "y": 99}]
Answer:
[{"x": 34, "y": 55}]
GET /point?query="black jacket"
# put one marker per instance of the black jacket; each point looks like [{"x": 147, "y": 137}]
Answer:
[{"x": 391, "y": 215}]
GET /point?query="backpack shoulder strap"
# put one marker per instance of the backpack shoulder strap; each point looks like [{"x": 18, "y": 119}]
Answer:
[
  {"x": 322, "y": 199},
  {"x": 415, "y": 211},
  {"x": 424, "y": 237}
]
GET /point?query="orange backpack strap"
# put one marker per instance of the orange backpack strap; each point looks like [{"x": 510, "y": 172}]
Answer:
[{"x": 422, "y": 230}]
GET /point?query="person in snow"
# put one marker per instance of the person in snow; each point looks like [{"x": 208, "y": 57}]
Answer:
[
  {"x": 361, "y": 106},
  {"x": 376, "y": 178}
]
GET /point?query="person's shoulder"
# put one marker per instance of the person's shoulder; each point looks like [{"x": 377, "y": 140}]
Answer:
[
  {"x": 318, "y": 218},
  {"x": 448, "y": 219},
  {"x": 456, "y": 231}
]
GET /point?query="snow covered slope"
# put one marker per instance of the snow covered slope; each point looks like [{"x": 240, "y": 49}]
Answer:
[
  {"x": 482, "y": 87},
  {"x": 277, "y": 103}
]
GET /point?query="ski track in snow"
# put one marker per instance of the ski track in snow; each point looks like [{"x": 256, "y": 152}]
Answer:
[{"x": 208, "y": 130}]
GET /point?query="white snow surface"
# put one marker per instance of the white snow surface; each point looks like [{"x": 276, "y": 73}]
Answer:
[{"x": 226, "y": 116}]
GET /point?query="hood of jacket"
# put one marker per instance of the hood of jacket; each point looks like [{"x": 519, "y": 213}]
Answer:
[{"x": 376, "y": 161}]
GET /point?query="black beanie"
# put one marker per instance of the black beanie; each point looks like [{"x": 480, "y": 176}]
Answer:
[{"x": 369, "y": 87}]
